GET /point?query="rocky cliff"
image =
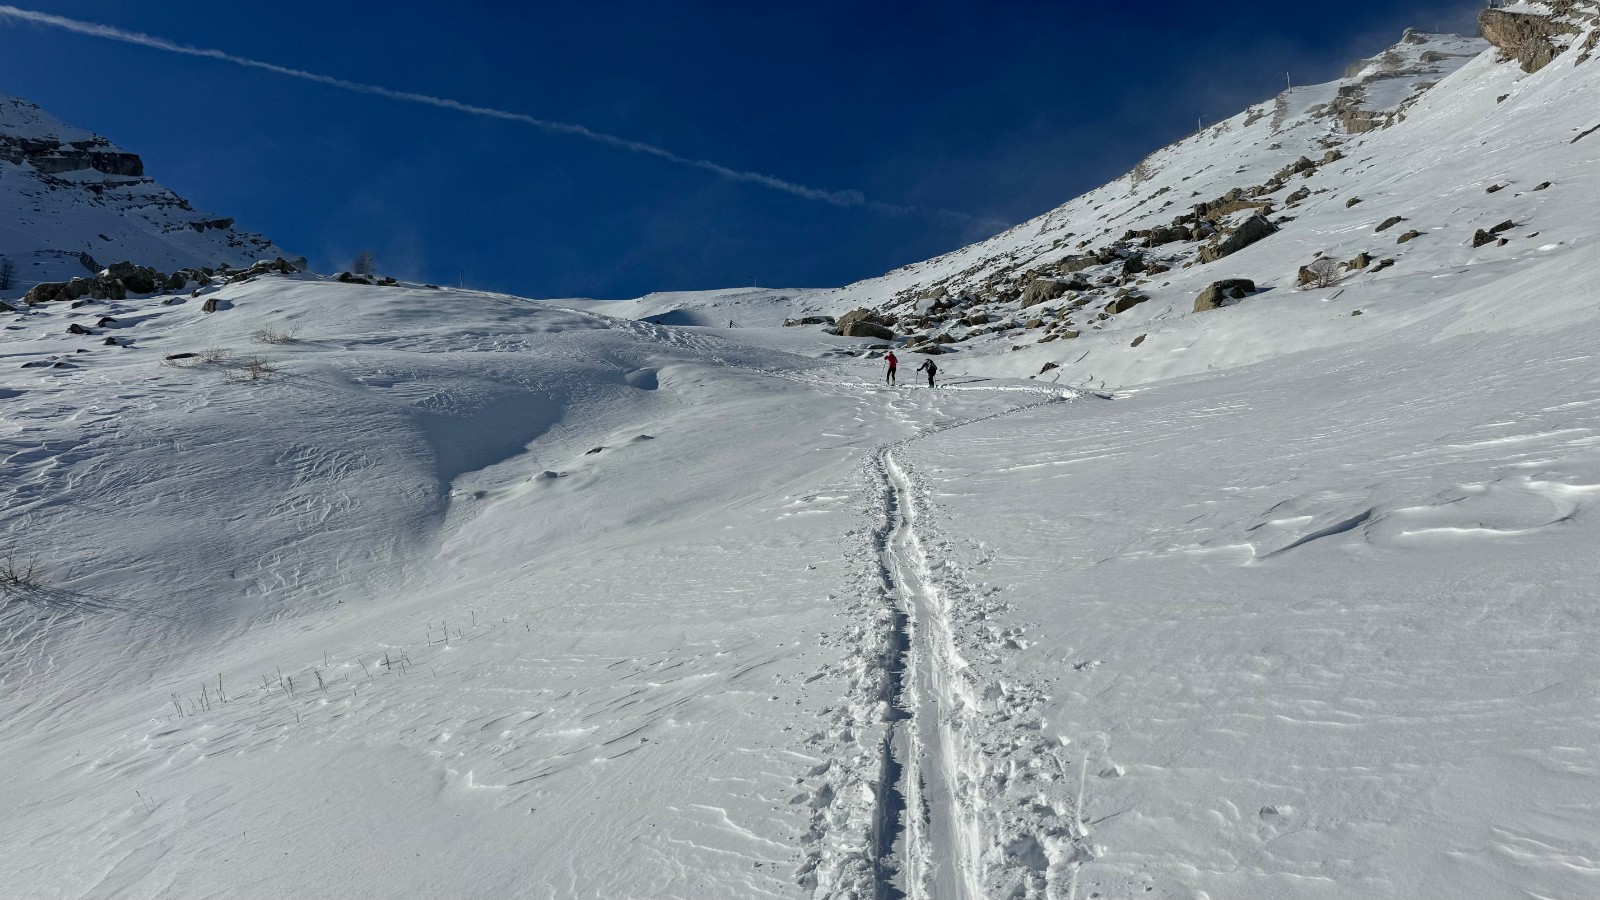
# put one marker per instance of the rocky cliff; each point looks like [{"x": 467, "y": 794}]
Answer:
[
  {"x": 1534, "y": 34},
  {"x": 74, "y": 201}
]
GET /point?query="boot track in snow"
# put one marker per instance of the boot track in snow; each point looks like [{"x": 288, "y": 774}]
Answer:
[{"x": 926, "y": 840}]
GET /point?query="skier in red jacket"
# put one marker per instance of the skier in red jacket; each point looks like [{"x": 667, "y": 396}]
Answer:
[{"x": 888, "y": 377}]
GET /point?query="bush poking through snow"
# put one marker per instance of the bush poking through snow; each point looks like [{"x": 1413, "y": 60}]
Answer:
[
  {"x": 245, "y": 368},
  {"x": 1322, "y": 273},
  {"x": 252, "y": 369},
  {"x": 272, "y": 336},
  {"x": 18, "y": 577}
]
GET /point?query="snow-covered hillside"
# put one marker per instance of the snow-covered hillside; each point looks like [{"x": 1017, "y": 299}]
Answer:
[
  {"x": 75, "y": 203},
  {"x": 1440, "y": 164},
  {"x": 324, "y": 589}
]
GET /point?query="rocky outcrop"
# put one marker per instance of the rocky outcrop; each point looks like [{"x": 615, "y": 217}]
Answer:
[
  {"x": 1224, "y": 293},
  {"x": 1125, "y": 302},
  {"x": 862, "y": 323},
  {"x": 1250, "y": 231},
  {"x": 808, "y": 320},
  {"x": 1528, "y": 38},
  {"x": 53, "y": 157},
  {"x": 867, "y": 330},
  {"x": 1043, "y": 290},
  {"x": 121, "y": 279},
  {"x": 85, "y": 195}
]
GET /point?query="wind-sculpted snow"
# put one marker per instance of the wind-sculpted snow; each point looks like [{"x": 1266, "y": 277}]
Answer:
[
  {"x": 564, "y": 598},
  {"x": 1311, "y": 631},
  {"x": 362, "y": 591}
]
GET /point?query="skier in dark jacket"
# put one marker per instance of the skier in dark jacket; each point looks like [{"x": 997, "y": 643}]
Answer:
[
  {"x": 929, "y": 367},
  {"x": 894, "y": 364}
]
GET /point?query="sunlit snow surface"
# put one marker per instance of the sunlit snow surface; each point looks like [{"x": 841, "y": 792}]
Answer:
[{"x": 1291, "y": 603}]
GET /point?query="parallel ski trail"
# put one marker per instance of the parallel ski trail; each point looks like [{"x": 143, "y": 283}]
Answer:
[
  {"x": 927, "y": 841},
  {"x": 938, "y": 847}
]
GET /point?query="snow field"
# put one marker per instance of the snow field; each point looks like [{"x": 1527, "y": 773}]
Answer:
[
  {"x": 475, "y": 597},
  {"x": 1309, "y": 631},
  {"x": 481, "y": 597}
]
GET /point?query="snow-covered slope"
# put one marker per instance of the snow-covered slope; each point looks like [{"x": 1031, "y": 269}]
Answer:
[
  {"x": 75, "y": 203},
  {"x": 1389, "y": 173},
  {"x": 363, "y": 591},
  {"x": 578, "y": 603}
]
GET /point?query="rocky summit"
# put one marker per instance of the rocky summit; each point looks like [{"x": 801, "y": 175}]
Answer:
[{"x": 76, "y": 202}]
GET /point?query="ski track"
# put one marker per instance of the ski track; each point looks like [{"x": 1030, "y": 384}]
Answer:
[
  {"x": 942, "y": 761},
  {"x": 952, "y": 813}
]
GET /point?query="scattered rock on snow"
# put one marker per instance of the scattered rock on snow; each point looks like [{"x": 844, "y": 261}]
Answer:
[
  {"x": 1410, "y": 235},
  {"x": 1124, "y": 303},
  {"x": 1389, "y": 223},
  {"x": 862, "y": 323},
  {"x": 1250, "y": 231},
  {"x": 861, "y": 329},
  {"x": 1042, "y": 290},
  {"x": 1221, "y": 293}
]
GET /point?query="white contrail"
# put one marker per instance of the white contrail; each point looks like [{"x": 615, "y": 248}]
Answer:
[{"x": 108, "y": 32}]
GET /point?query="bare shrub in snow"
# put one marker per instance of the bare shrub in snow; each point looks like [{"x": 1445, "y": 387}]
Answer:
[
  {"x": 252, "y": 369},
  {"x": 19, "y": 576},
  {"x": 1322, "y": 273},
  {"x": 8, "y": 273},
  {"x": 272, "y": 336},
  {"x": 215, "y": 354},
  {"x": 365, "y": 264}
]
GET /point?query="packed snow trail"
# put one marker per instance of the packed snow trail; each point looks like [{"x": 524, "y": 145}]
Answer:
[
  {"x": 939, "y": 848},
  {"x": 927, "y": 834}
]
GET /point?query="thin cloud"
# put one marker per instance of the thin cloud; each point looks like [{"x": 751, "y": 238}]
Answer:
[{"x": 845, "y": 198}]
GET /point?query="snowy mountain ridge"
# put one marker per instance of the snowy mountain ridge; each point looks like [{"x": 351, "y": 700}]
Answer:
[
  {"x": 77, "y": 203},
  {"x": 1391, "y": 174}
]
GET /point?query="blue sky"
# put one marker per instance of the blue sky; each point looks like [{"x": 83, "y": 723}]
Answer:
[{"x": 999, "y": 111}]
